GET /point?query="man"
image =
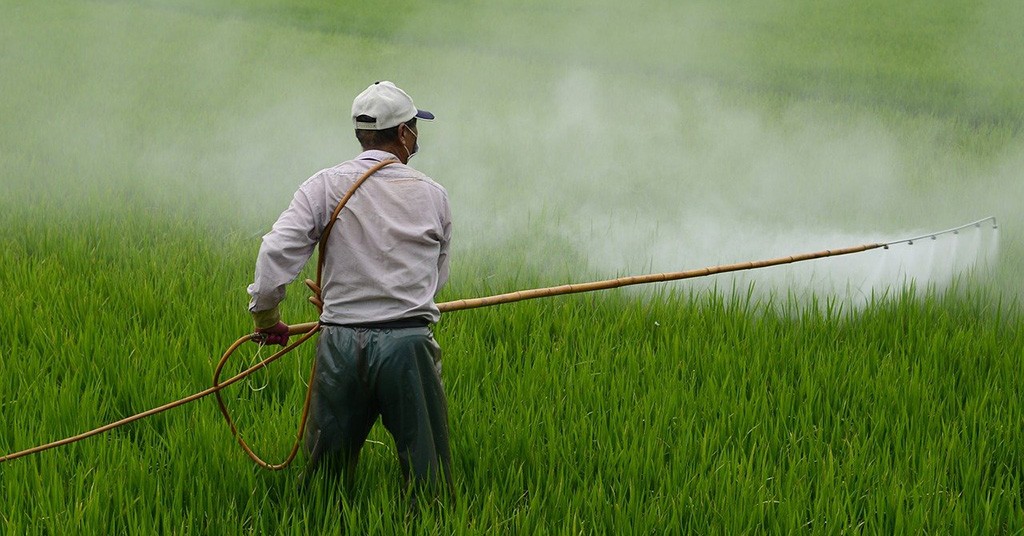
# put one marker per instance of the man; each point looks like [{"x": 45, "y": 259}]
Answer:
[{"x": 384, "y": 260}]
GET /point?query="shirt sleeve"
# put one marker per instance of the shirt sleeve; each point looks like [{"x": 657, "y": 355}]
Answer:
[
  {"x": 283, "y": 253},
  {"x": 446, "y": 238}
]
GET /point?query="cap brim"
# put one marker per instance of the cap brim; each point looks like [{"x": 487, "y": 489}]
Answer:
[{"x": 425, "y": 115}]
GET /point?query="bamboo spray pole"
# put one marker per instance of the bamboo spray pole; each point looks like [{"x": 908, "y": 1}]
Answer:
[{"x": 575, "y": 288}]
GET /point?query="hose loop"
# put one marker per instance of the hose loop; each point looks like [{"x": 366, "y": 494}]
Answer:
[{"x": 316, "y": 299}]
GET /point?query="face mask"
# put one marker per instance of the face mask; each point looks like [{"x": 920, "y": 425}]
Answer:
[{"x": 415, "y": 145}]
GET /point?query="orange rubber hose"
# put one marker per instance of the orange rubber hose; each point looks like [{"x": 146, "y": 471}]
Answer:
[
  {"x": 171, "y": 405},
  {"x": 318, "y": 302}
]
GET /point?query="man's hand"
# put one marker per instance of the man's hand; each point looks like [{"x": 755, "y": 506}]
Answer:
[{"x": 276, "y": 334}]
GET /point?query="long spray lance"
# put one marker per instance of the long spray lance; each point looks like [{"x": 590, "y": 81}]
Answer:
[
  {"x": 307, "y": 330},
  {"x": 575, "y": 288}
]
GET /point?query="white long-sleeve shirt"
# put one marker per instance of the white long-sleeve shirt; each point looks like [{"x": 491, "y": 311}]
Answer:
[{"x": 387, "y": 256}]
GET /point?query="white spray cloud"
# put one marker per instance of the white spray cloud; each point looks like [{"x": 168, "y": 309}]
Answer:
[
  {"x": 639, "y": 172},
  {"x": 568, "y": 136}
]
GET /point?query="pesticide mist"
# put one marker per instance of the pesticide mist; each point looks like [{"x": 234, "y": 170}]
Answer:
[
  {"x": 600, "y": 166},
  {"x": 566, "y": 137}
]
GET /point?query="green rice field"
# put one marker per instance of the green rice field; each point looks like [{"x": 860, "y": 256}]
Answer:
[{"x": 147, "y": 145}]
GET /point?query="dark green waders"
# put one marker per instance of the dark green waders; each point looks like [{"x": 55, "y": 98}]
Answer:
[{"x": 394, "y": 373}]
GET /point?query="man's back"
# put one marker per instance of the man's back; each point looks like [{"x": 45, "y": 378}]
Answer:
[{"x": 387, "y": 255}]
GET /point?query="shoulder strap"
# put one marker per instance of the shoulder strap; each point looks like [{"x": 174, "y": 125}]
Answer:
[{"x": 317, "y": 286}]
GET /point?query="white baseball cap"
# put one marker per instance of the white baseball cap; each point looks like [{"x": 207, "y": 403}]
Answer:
[{"x": 387, "y": 104}]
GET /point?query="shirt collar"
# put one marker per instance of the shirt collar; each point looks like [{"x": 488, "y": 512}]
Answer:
[{"x": 376, "y": 155}]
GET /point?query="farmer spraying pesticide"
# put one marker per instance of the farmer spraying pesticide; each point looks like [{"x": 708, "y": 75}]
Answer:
[
  {"x": 381, "y": 268},
  {"x": 377, "y": 275}
]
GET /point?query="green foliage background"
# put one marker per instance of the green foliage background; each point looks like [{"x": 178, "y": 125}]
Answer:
[{"x": 143, "y": 150}]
